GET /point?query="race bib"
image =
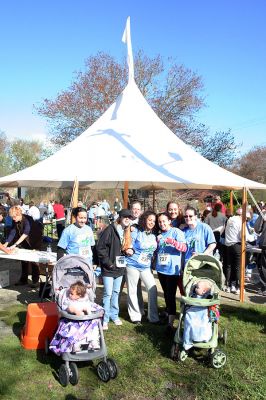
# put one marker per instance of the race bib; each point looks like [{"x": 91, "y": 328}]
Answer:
[
  {"x": 120, "y": 261},
  {"x": 84, "y": 252},
  {"x": 144, "y": 259},
  {"x": 164, "y": 259}
]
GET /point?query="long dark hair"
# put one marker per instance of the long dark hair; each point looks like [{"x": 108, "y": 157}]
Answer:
[{"x": 143, "y": 220}]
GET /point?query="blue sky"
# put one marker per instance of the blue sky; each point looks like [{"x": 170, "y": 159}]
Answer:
[{"x": 43, "y": 43}]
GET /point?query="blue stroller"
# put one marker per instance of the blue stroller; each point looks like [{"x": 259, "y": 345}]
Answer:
[
  {"x": 207, "y": 269},
  {"x": 68, "y": 270}
]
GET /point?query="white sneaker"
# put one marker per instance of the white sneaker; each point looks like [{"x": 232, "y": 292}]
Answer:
[
  {"x": 233, "y": 289},
  {"x": 105, "y": 326},
  {"x": 238, "y": 291}
]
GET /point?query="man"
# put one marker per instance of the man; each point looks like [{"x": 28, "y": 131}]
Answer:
[
  {"x": 34, "y": 212},
  {"x": 199, "y": 236},
  {"x": 217, "y": 200},
  {"x": 233, "y": 231},
  {"x": 260, "y": 228},
  {"x": 136, "y": 211},
  {"x": 59, "y": 213}
]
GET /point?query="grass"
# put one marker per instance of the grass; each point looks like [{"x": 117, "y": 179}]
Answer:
[{"x": 145, "y": 369}]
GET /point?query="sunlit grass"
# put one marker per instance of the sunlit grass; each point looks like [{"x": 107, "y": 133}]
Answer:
[{"x": 145, "y": 369}]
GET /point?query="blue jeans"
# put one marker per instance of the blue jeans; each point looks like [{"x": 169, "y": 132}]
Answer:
[{"x": 111, "y": 290}]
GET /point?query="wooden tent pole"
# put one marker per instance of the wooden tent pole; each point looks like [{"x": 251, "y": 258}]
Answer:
[
  {"x": 243, "y": 244},
  {"x": 74, "y": 197},
  {"x": 125, "y": 204},
  {"x": 231, "y": 202}
]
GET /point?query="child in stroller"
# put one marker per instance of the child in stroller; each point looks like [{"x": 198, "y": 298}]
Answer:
[
  {"x": 79, "y": 336},
  {"x": 199, "y": 310}
]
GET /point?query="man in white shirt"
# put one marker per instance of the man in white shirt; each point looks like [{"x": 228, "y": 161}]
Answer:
[
  {"x": 233, "y": 250},
  {"x": 34, "y": 211}
]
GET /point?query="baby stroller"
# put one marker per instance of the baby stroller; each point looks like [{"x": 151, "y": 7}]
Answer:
[
  {"x": 68, "y": 270},
  {"x": 201, "y": 268}
]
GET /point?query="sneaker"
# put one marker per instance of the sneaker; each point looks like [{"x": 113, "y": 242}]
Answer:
[
  {"x": 237, "y": 291},
  {"x": 105, "y": 326},
  {"x": 118, "y": 322},
  {"x": 233, "y": 289},
  {"x": 227, "y": 289}
]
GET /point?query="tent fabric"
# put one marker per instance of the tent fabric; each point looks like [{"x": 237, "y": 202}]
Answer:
[{"x": 128, "y": 143}]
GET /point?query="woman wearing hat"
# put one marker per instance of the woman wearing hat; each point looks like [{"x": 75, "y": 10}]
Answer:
[{"x": 113, "y": 244}]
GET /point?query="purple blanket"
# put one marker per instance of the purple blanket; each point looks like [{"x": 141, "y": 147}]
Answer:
[{"x": 70, "y": 335}]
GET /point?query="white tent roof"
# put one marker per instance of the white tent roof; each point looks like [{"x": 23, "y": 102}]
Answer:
[{"x": 128, "y": 143}]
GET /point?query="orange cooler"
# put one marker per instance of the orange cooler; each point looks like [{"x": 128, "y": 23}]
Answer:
[{"x": 41, "y": 323}]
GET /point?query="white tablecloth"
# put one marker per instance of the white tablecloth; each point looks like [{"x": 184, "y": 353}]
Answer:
[{"x": 31, "y": 255}]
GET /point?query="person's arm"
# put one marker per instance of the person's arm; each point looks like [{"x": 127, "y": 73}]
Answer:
[
  {"x": 210, "y": 248},
  {"x": 6, "y": 249}
]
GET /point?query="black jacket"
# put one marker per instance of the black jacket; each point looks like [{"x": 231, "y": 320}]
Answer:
[
  {"x": 260, "y": 228},
  {"x": 33, "y": 230},
  {"x": 108, "y": 248}
]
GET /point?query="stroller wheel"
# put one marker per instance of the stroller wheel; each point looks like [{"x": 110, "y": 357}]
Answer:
[
  {"x": 63, "y": 375},
  {"x": 74, "y": 374},
  {"x": 217, "y": 359},
  {"x": 113, "y": 369},
  {"x": 103, "y": 371},
  {"x": 174, "y": 352}
]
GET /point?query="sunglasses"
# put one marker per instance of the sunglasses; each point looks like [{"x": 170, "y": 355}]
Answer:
[{"x": 189, "y": 216}]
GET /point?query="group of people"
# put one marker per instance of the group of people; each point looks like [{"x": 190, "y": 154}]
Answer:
[
  {"x": 135, "y": 244},
  {"x": 132, "y": 246}
]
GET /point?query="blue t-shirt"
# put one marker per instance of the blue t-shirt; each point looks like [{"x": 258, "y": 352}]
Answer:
[
  {"x": 144, "y": 245},
  {"x": 198, "y": 239},
  {"x": 77, "y": 240},
  {"x": 169, "y": 259}
]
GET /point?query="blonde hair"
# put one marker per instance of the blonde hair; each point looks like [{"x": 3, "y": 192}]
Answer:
[{"x": 15, "y": 211}]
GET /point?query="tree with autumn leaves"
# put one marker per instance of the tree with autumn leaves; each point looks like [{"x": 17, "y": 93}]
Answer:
[{"x": 174, "y": 92}]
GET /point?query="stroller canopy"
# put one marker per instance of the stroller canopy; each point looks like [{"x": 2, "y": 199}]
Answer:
[
  {"x": 203, "y": 266},
  {"x": 70, "y": 269}
]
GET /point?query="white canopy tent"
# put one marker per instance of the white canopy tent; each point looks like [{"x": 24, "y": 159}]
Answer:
[{"x": 128, "y": 143}]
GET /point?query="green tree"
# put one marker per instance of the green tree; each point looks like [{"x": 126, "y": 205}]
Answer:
[{"x": 23, "y": 153}]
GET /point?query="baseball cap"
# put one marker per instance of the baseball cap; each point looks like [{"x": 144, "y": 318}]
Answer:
[{"x": 125, "y": 213}]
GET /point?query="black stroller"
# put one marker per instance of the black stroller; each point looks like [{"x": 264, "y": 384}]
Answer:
[{"x": 67, "y": 271}]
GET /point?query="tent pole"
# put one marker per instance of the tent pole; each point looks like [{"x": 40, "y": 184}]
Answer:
[
  {"x": 243, "y": 244},
  {"x": 153, "y": 200},
  {"x": 231, "y": 202},
  {"x": 74, "y": 196},
  {"x": 125, "y": 194}
]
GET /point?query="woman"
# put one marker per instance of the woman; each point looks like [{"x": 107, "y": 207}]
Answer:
[
  {"x": 27, "y": 234},
  {"x": 78, "y": 237},
  {"x": 111, "y": 250},
  {"x": 139, "y": 267},
  {"x": 171, "y": 245},
  {"x": 175, "y": 213}
]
